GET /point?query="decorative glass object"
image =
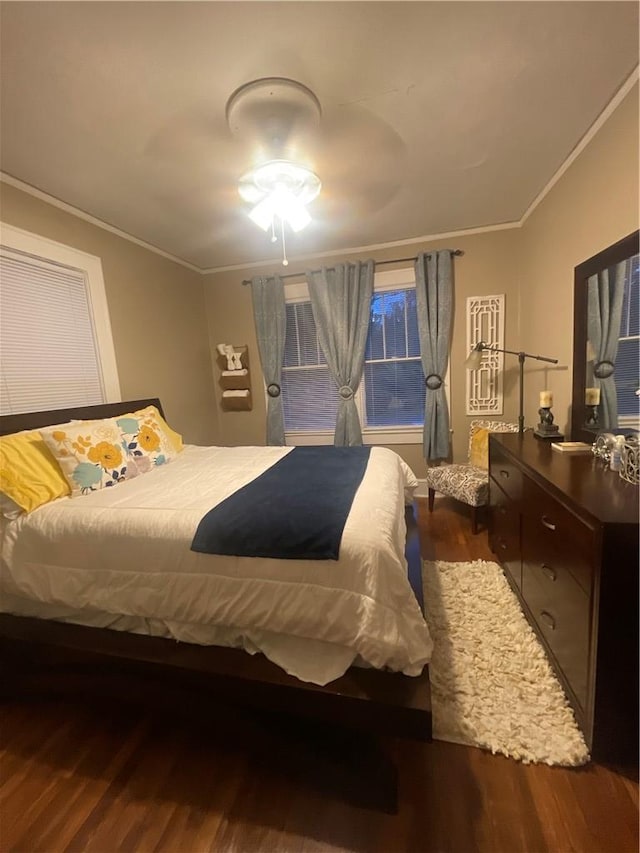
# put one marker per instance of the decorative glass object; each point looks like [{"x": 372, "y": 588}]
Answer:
[
  {"x": 630, "y": 469},
  {"x": 603, "y": 445}
]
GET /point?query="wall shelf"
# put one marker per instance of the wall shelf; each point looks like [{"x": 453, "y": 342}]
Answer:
[{"x": 235, "y": 385}]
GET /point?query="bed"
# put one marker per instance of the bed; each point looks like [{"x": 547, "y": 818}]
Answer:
[{"x": 109, "y": 579}]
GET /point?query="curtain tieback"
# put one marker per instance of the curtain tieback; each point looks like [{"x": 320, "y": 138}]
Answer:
[
  {"x": 433, "y": 381},
  {"x": 604, "y": 369},
  {"x": 273, "y": 390},
  {"x": 345, "y": 392}
]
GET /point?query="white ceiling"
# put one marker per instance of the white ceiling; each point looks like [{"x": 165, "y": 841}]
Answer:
[{"x": 437, "y": 116}]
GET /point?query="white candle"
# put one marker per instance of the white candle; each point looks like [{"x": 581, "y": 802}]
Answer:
[
  {"x": 592, "y": 396},
  {"x": 546, "y": 399}
]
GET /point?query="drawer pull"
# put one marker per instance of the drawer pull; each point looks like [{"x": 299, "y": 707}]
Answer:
[
  {"x": 548, "y": 619},
  {"x": 502, "y": 509},
  {"x": 504, "y": 474},
  {"x": 548, "y": 524},
  {"x": 503, "y": 545},
  {"x": 549, "y": 571}
]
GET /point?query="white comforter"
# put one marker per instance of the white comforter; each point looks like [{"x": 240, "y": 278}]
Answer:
[{"x": 121, "y": 558}]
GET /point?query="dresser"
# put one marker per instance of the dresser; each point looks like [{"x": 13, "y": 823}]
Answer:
[{"x": 565, "y": 529}]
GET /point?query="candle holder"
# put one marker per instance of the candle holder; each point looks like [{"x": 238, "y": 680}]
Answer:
[
  {"x": 546, "y": 429},
  {"x": 591, "y": 419},
  {"x": 591, "y": 403}
]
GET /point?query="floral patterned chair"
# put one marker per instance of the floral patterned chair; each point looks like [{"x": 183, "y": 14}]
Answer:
[{"x": 469, "y": 482}]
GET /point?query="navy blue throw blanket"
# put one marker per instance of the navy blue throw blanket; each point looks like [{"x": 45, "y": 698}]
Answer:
[{"x": 296, "y": 510}]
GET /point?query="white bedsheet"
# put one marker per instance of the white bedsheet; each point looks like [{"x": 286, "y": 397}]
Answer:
[{"x": 120, "y": 558}]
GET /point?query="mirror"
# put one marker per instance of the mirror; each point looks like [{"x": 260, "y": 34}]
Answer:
[{"x": 606, "y": 342}]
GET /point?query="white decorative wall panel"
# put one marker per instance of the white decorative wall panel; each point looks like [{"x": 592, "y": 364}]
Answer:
[{"x": 485, "y": 322}]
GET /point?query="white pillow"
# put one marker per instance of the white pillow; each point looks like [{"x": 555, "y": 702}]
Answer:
[{"x": 91, "y": 454}]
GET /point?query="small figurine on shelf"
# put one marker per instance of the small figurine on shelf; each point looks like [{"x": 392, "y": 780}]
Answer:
[
  {"x": 546, "y": 428},
  {"x": 234, "y": 358}
]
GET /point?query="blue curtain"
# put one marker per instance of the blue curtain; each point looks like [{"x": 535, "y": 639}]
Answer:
[
  {"x": 434, "y": 302},
  {"x": 270, "y": 319},
  {"x": 604, "y": 314},
  {"x": 341, "y": 305}
]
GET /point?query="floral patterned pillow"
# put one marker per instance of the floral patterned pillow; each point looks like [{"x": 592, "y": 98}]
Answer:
[
  {"x": 90, "y": 453},
  {"x": 148, "y": 440}
]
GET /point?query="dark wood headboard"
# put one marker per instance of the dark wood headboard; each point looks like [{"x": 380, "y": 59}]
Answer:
[{"x": 35, "y": 420}]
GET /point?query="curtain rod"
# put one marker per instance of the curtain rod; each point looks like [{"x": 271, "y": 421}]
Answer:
[{"x": 375, "y": 263}]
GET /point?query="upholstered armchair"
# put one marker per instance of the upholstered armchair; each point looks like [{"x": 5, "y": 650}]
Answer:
[{"x": 469, "y": 482}]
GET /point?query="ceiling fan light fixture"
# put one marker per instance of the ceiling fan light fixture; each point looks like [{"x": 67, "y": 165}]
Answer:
[
  {"x": 290, "y": 209},
  {"x": 280, "y": 188},
  {"x": 262, "y": 214},
  {"x": 285, "y": 206}
]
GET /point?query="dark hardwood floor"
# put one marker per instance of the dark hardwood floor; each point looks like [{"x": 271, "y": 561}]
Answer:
[{"x": 79, "y": 776}]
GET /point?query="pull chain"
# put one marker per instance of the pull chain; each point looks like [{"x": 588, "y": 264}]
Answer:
[
  {"x": 285, "y": 262},
  {"x": 273, "y": 229}
]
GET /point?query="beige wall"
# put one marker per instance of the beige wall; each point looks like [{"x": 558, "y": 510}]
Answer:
[
  {"x": 489, "y": 265},
  {"x": 594, "y": 204},
  {"x": 157, "y": 315}
]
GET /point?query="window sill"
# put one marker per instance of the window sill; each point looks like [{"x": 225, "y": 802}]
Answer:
[
  {"x": 392, "y": 435},
  {"x": 400, "y": 435}
]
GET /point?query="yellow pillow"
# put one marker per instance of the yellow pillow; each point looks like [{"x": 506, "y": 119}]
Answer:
[
  {"x": 29, "y": 474},
  {"x": 479, "y": 448},
  {"x": 174, "y": 437}
]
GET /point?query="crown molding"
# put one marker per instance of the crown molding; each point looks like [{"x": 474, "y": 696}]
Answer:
[
  {"x": 372, "y": 247},
  {"x": 93, "y": 220},
  {"x": 604, "y": 116}
]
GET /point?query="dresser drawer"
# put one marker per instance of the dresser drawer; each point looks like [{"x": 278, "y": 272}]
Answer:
[
  {"x": 504, "y": 531},
  {"x": 562, "y": 612},
  {"x": 561, "y": 537},
  {"x": 505, "y": 471}
]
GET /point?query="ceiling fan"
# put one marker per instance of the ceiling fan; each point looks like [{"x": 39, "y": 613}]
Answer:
[
  {"x": 282, "y": 150},
  {"x": 277, "y": 117}
]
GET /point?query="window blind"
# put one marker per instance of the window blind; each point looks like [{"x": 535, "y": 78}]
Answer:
[
  {"x": 627, "y": 371},
  {"x": 393, "y": 378},
  {"x": 309, "y": 394},
  {"x": 626, "y": 376},
  {"x": 48, "y": 353}
]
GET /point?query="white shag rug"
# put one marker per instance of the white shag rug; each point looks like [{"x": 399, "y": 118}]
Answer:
[{"x": 491, "y": 683}]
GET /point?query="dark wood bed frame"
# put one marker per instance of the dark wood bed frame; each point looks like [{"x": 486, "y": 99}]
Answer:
[{"x": 39, "y": 652}]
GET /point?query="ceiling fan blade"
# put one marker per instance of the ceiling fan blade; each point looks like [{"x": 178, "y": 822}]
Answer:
[
  {"x": 196, "y": 157},
  {"x": 360, "y": 160},
  {"x": 192, "y": 129}
]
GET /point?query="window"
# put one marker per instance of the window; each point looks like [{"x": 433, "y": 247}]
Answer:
[
  {"x": 391, "y": 395},
  {"x": 628, "y": 358},
  {"x": 394, "y": 387},
  {"x": 56, "y": 349}
]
